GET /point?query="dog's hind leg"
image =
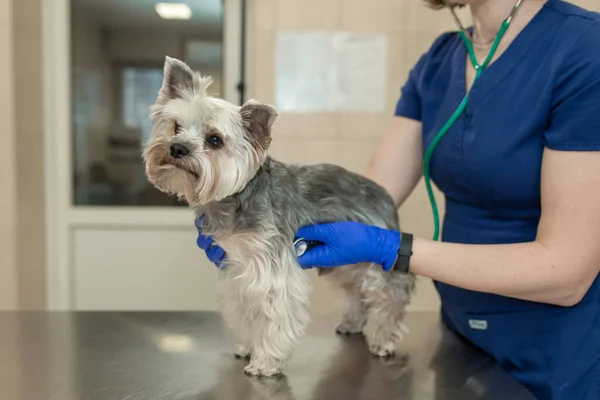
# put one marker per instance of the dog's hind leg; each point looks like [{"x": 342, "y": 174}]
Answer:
[
  {"x": 386, "y": 300},
  {"x": 355, "y": 317}
]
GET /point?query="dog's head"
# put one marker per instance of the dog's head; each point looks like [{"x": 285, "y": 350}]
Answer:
[{"x": 203, "y": 148}]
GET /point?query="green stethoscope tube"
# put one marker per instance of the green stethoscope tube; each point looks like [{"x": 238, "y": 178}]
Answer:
[{"x": 461, "y": 108}]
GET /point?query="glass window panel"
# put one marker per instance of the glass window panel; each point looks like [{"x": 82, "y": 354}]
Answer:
[{"x": 118, "y": 50}]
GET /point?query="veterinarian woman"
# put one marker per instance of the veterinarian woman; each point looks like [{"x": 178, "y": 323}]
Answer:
[{"x": 517, "y": 265}]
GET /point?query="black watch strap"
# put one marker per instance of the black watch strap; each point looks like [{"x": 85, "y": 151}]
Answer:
[{"x": 404, "y": 252}]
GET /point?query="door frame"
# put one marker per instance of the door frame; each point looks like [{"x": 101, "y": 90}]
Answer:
[{"x": 62, "y": 217}]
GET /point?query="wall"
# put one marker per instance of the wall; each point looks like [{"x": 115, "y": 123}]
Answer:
[
  {"x": 8, "y": 204},
  {"x": 22, "y": 241},
  {"x": 29, "y": 129}
]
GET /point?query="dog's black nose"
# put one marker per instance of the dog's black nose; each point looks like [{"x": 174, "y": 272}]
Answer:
[{"x": 178, "y": 150}]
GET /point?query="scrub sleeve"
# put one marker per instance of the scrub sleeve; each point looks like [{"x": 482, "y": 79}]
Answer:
[{"x": 574, "y": 120}]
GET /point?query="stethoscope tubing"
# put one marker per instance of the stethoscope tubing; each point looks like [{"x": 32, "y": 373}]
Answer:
[{"x": 463, "y": 104}]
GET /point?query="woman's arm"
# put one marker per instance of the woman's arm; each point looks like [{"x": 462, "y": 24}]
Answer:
[
  {"x": 397, "y": 164},
  {"x": 558, "y": 267}
]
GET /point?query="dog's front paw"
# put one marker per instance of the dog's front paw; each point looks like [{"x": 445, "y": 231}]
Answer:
[
  {"x": 382, "y": 350},
  {"x": 242, "y": 351},
  {"x": 267, "y": 369},
  {"x": 349, "y": 328}
]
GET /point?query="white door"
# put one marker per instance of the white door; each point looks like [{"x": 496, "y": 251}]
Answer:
[{"x": 115, "y": 242}]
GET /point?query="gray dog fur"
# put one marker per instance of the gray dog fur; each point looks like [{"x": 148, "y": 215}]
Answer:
[{"x": 252, "y": 207}]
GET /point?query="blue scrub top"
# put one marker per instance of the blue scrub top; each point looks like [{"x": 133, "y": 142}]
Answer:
[{"x": 542, "y": 92}]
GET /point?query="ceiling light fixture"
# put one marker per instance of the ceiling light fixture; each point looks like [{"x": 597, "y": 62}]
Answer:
[{"x": 173, "y": 10}]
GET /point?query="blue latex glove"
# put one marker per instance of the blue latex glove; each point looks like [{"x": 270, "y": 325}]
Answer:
[
  {"x": 344, "y": 243},
  {"x": 214, "y": 253}
]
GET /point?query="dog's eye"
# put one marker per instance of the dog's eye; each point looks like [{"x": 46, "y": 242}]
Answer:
[
  {"x": 176, "y": 128},
  {"x": 214, "y": 141}
]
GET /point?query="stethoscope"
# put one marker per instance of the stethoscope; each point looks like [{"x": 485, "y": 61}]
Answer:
[
  {"x": 301, "y": 245},
  {"x": 463, "y": 104}
]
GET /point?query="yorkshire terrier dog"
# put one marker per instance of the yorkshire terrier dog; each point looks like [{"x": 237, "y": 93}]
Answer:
[{"x": 213, "y": 154}]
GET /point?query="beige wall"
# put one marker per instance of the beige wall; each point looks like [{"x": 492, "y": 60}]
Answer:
[
  {"x": 29, "y": 129},
  {"x": 8, "y": 197},
  {"x": 22, "y": 277}
]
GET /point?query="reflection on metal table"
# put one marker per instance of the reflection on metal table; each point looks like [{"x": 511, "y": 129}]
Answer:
[{"x": 185, "y": 356}]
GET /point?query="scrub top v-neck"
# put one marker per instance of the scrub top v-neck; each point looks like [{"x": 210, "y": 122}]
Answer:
[{"x": 542, "y": 92}]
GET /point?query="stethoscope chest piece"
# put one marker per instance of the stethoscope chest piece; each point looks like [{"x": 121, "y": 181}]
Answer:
[{"x": 300, "y": 246}]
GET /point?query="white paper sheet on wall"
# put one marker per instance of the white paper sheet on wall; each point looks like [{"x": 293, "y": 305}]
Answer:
[
  {"x": 330, "y": 72},
  {"x": 361, "y": 72},
  {"x": 304, "y": 69}
]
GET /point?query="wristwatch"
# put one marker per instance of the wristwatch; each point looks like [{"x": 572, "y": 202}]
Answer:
[{"x": 402, "y": 263}]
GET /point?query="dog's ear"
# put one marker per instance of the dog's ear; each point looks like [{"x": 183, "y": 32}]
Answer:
[
  {"x": 258, "y": 118},
  {"x": 179, "y": 79}
]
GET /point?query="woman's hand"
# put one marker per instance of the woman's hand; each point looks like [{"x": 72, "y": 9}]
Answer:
[
  {"x": 344, "y": 243},
  {"x": 214, "y": 253}
]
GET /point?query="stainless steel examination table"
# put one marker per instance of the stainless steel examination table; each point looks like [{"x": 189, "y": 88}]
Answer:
[{"x": 185, "y": 356}]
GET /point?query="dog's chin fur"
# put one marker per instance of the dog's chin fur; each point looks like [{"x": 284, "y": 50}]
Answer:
[{"x": 253, "y": 206}]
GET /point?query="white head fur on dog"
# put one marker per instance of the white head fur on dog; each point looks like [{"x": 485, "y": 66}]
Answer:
[{"x": 203, "y": 148}]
